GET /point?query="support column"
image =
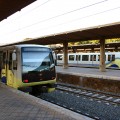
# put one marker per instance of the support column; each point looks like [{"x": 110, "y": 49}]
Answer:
[
  {"x": 65, "y": 52},
  {"x": 74, "y": 50},
  {"x": 92, "y": 49},
  {"x": 102, "y": 55},
  {"x": 116, "y": 49}
]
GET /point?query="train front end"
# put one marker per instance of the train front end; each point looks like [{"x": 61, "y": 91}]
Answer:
[{"x": 37, "y": 69}]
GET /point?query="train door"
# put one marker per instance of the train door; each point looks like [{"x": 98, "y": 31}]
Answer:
[
  {"x": 10, "y": 73},
  {"x": 4, "y": 67},
  {"x": 0, "y": 63},
  {"x": 93, "y": 60},
  {"x": 78, "y": 59}
]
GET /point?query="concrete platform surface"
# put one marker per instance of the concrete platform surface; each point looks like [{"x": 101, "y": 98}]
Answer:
[
  {"x": 16, "y": 105},
  {"x": 90, "y": 72}
]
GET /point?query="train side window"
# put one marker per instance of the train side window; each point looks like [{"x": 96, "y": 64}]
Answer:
[
  {"x": 98, "y": 57},
  {"x": 71, "y": 57},
  {"x": 0, "y": 62},
  {"x": 113, "y": 57},
  {"x": 15, "y": 65},
  {"x": 0, "y": 57},
  {"x": 3, "y": 60},
  {"x": 109, "y": 57},
  {"x": 85, "y": 57},
  {"x": 10, "y": 61},
  {"x": 59, "y": 57},
  {"x": 78, "y": 57},
  {"x": 92, "y": 57}
]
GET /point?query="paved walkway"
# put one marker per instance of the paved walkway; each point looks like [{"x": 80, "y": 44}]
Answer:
[
  {"x": 90, "y": 72},
  {"x": 16, "y": 105}
]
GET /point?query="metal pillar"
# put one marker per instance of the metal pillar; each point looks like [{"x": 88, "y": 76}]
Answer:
[
  {"x": 116, "y": 49},
  {"x": 102, "y": 55},
  {"x": 65, "y": 52},
  {"x": 92, "y": 49}
]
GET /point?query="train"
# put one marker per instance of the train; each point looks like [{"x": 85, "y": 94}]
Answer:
[
  {"x": 92, "y": 59},
  {"x": 29, "y": 68}
]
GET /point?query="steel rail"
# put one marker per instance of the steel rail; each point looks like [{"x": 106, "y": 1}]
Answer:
[{"x": 90, "y": 93}]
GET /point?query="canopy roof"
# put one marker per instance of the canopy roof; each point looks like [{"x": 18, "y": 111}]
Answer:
[
  {"x": 98, "y": 32},
  {"x": 9, "y": 7}
]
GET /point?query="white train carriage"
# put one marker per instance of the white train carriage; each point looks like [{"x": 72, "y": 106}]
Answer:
[{"x": 112, "y": 59}]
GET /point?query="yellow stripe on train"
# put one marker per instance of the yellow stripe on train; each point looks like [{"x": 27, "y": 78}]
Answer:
[{"x": 115, "y": 63}]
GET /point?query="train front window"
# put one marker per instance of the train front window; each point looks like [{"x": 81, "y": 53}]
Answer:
[{"x": 36, "y": 60}]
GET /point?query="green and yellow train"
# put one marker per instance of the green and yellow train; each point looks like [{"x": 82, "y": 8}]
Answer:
[{"x": 29, "y": 68}]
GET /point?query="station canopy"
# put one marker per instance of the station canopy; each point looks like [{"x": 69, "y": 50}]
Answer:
[
  {"x": 9, "y": 7},
  {"x": 107, "y": 31}
]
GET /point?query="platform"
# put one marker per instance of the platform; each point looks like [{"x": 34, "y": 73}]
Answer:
[
  {"x": 90, "y": 72},
  {"x": 17, "y": 105},
  {"x": 92, "y": 78}
]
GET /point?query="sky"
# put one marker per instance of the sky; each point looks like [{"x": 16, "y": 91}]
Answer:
[{"x": 49, "y": 17}]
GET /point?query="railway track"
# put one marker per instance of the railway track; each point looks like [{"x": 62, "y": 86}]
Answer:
[
  {"x": 94, "y": 104},
  {"x": 92, "y": 94}
]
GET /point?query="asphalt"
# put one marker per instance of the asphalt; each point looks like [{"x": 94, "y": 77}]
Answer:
[{"x": 17, "y": 105}]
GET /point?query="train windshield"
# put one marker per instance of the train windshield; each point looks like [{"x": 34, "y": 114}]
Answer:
[{"x": 36, "y": 59}]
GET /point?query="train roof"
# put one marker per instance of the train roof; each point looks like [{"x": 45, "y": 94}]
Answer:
[
  {"x": 88, "y": 53},
  {"x": 23, "y": 45},
  {"x": 28, "y": 45}
]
